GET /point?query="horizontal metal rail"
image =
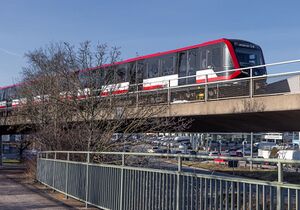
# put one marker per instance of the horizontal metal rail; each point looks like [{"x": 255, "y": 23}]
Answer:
[
  {"x": 262, "y": 160},
  {"x": 127, "y": 186}
]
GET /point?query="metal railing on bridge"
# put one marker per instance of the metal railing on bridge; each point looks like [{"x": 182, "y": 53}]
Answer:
[
  {"x": 211, "y": 88},
  {"x": 116, "y": 180}
]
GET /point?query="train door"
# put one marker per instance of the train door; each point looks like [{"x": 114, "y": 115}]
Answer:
[{"x": 182, "y": 68}]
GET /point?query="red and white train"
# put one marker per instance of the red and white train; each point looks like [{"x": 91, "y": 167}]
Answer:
[{"x": 209, "y": 61}]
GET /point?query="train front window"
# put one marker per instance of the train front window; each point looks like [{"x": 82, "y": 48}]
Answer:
[{"x": 249, "y": 57}]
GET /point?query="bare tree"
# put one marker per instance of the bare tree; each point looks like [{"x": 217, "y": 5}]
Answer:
[{"x": 74, "y": 105}]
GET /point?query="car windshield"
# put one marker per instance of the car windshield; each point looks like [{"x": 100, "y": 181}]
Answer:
[{"x": 249, "y": 57}]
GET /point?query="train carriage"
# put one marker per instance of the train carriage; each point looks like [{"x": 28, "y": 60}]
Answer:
[{"x": 207, "y": 62}]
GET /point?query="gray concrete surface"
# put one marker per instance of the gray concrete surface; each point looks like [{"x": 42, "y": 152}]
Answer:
[{"x": 15, "y": 196}]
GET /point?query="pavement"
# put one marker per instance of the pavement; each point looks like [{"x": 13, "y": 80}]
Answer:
[{"x": 16, "y": 194}]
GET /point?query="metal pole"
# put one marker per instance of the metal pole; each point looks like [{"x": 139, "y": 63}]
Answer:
[
  {"x": 243, "y": 148},
  {"x": 280, "y": 180},
  {"x": 122, "y": 182},
  {"x": 178, "y": 183},
  {"x": 67, "y": 173},
  {"x": 87, "y": 179},
  {"x": 280, "y": 173},
  {"x": 1, "y": 151},
  {"x": 137, "y": 95},
  {"x": 251, "y": 83},
  {"x": 54, "y": 165},
  {"x": 251, "y": 163},
  {"x": 206, "y": 89}
]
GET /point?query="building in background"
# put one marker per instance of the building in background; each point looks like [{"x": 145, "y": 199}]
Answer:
[{"x": 10, "y": 146}]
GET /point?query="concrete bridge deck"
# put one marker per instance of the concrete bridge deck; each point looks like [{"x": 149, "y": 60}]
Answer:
[{"x": 257, "y": 114}]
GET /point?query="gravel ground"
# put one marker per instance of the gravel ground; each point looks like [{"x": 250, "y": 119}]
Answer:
[{"x": 16, "y": 193}]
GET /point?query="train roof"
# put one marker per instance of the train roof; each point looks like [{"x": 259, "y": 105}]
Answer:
[{"x": 224, "y": 40}]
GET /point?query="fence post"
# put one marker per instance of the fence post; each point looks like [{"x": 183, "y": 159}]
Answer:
[
  {"x": 87, "y": 179},
  {"x": 122, "y": 182},
  {"x": 67, "y": 172},
  {"x": 251, "y": 163},
  {"x": 178, "y": 183},
  {"x": 251, "y": 83},
  {"x": 280, "y": 180},
  {"x": 54, "y": 165}
]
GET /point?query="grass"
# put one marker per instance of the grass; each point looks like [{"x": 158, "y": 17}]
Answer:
[{"x": 11, "y": 161}]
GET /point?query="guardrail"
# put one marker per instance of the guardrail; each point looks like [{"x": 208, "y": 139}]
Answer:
[{"x": 117, "y": 180}]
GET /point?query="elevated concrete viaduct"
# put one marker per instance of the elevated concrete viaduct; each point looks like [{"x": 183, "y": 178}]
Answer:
[{"x": 258, "y": 114}]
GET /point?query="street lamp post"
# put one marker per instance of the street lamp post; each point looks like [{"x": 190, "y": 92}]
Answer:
[
  {"x": 220, "y": 144},
  {"x": 244, "y": 142}
]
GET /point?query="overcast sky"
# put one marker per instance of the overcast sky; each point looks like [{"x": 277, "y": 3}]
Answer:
[{"x": 144, "y": 27}]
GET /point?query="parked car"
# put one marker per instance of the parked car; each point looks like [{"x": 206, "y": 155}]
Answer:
[
  {"x": 213, "y": 153},
  {"x": 152, "y": 150}
]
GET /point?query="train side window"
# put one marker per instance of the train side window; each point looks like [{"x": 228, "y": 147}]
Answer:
[
  {"x": 168, "y": 64},
  {"x": 12, "y": 93},
  {"x": 182, "y": 62},
  {"x": 1, "y": 95},
  {"x": 153, "y": 67},
  {"x": 121, "y": 72},
  {"x": 97, "y": 78},
  {"x": 141, "y": 71},
  {"x": 209, "y": 58},
  {"x": 83, "y": 78},
  {"x": 217, "y": 58},
  {"x": 193, "y": 61},
  {"x": 4, "y": 95},
  {"x": 132, "y": 72},
  {"x": 205, "y": 58},
  {"x": 109, "y": 75},
  {"x": 101, "y": 75}
]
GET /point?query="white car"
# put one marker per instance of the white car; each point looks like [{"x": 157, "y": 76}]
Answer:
[{"x": 213, "y": 153}]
